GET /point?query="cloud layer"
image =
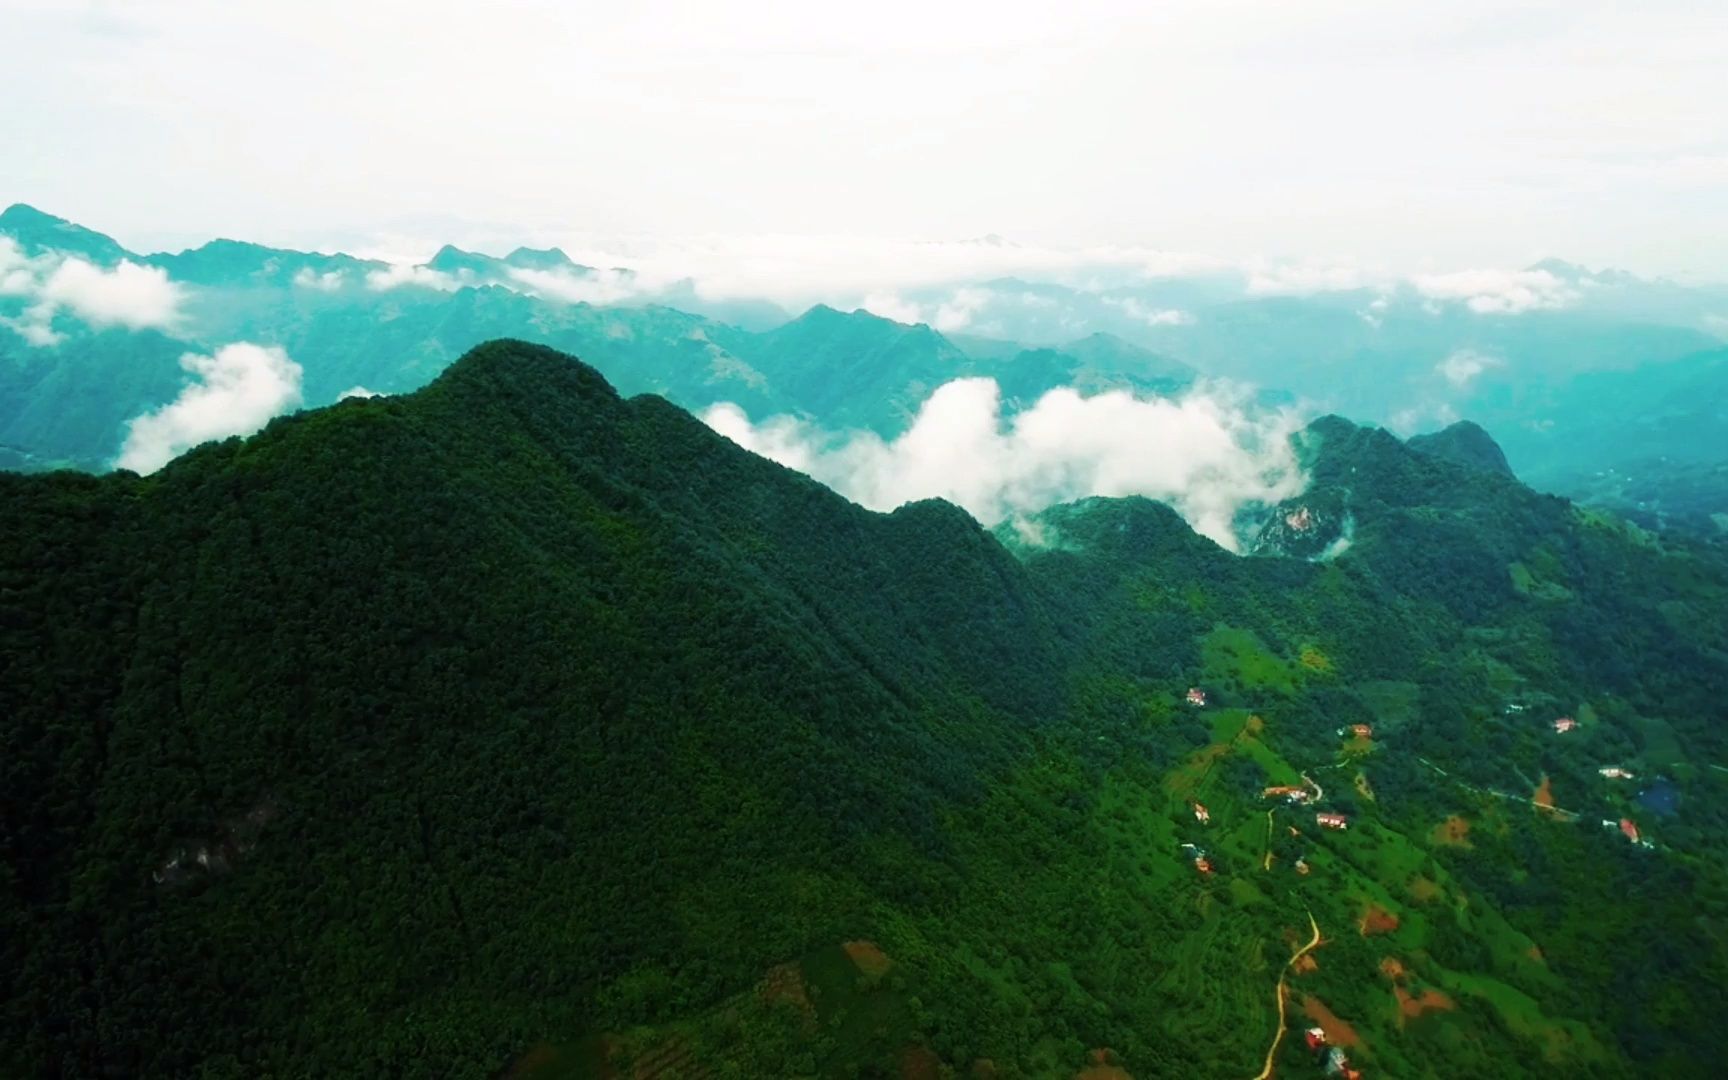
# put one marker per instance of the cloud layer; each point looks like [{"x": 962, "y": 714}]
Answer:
[
  {"x": 237, "y": 391},
  {"x": 129, "y": 295},
  {"x": 1204, "y": 454},
  {"x": 399, "y": 275},
  {"x": 1498, "y": 292}
]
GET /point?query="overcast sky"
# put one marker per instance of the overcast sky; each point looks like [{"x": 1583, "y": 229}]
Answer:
[{"x": 1451, "y": 134}]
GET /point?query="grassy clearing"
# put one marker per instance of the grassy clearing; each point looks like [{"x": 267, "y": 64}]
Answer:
[
  {"x": 1394, "y": 703},
  {"x": 1558, "y": 1040},
  {"x": 1662, "y": 748},
  {"x": 1238, "y": 659}
]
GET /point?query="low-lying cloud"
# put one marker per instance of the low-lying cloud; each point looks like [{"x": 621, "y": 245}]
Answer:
[
  {"x": 328, "y": 281},
  {"x": 1307, "y": 278},
  {"x": 598, "y": 287},
  {"x": 1461, "y": 368},
  {"x": 400, "y": 275},
  {"x": 958, "y": 311},
  {"x": 1149, "y": 314},
  {"x": 127, "y": 294},
  {"x": 1498, "y": 292},
  {"x": 1205, "y": 453},
  {"x": 236, "y": 392}
]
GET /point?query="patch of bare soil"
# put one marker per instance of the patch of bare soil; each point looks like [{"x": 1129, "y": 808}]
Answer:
[
  {"x": 1454, "y": 831},
  {"x": 919, "y": 1063},
  {"x": 1338, "y": 1033},
  {"x": 785, "y": 982},
  {"x": 1103, "y": 1067},
  {"x": 1410, "y": 1006},
  {"x": 1377, "y": 920},
  {"x": 1424, "y": 889},
  {"x": 867, "y": 957},
  {"x": 1544, "y": 797}
]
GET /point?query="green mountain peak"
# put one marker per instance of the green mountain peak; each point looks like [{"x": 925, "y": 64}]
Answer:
[{"x": 1465, "y": 443}]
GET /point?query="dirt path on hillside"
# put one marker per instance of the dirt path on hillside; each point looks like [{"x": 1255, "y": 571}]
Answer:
[
  {"x": 1563, "y": 815},
  {"x": 1283, "y": 978}
]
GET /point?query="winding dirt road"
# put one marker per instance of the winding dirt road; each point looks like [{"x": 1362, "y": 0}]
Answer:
[{"x": 1283, "y": 977}]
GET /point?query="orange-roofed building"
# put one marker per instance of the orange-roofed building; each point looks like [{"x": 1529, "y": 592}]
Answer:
[
  {"x": 1565, "y": 724},
  {"x": 1332, "y": 821},
  {"x": 1628, "y": 829},
  {"x": 1196, "y": 696}
]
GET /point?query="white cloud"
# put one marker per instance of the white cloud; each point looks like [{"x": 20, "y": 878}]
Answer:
[
  {"x": 1307, "y": 278},
  {"x": 1498, "y": 292},
  {"x": 784, "y": 439},
  {"x": 18, "y": 272},
  {"x": 956, "y": 312},
  {"x": 35, "y": 327},
  {"x": 796, "y": 271},
  {"x": 129, "y": 295},
  {"x": 356, "y": 392},
  {"x": 399, "y": 275},
  {"x": 237, "y": 391},
  {"x": 1203, "y": 453},
  {"x": 598, "y": 287},
  {"x": 1149, "y": 315},
  {"x": 1407, "y": 422},
  {"x": 329, "y": 281},
  {"x": 959, "y": 310},
  {"x": 891, "y": 305},
  {"x": 1462, "y": 367}
]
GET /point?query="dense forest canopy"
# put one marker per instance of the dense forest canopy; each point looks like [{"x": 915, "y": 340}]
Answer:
[{"x": 514, "y": 726}]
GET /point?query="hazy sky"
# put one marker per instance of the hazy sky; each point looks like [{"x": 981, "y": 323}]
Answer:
[{"x": 1462, "y": 133}]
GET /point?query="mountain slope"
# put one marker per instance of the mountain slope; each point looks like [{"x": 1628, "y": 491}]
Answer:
[
  {"x": 1466, "y": 444},
  {"x": 415, "y": 732},
  {"x": 36, "y": 232},
  {"x": 700, "y": 625}
]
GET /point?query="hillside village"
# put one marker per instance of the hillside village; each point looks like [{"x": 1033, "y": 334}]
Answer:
[{"x": 1359, "y": 748}]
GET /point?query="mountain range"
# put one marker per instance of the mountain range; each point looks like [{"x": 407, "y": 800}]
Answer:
[
  {"x": 1599, "y": 385},
  {"x": 511, "y": 726}
]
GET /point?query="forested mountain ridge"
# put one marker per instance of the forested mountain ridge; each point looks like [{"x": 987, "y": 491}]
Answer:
[
  {"x": 351, "y": 325},
  {"x": 1608, "y": 389},
  {"x": 416, "y": 732}
]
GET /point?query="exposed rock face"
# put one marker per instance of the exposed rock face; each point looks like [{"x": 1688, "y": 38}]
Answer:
[{"x": 1311, "y": 526}]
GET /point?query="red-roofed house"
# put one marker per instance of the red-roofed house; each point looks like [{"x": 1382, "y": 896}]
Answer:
[
  {"x": 1332, "y": 821},
  {"x": 1565, "y": 724},
  {"x": 1361, "y": 731},
  {"x": 1628, "y": 829},
  {"x": 1196, "y": 696},
  {"x": 1314, "y": 1037}
]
